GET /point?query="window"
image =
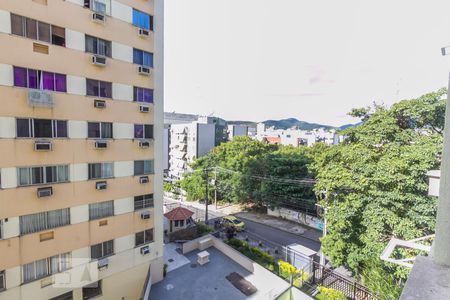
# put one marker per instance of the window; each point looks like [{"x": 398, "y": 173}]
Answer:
[
  {"x": 2, "y": 280},
  {"x": 143, "y": 131},
  {"x": 44, "y": 221},
  {"x": 143, "y": 95},
  {"x": 143, "y": 167},
  {"x": 142, "y": 20},
  {"x": 101, "y": 210},
  {"x": 41, "y": 128},
  {"x": 100, "y": 6},
  {"x": 101, "y": 170},
  {"x": 143, "y": 201},
  {"x": 98, "y": 46},
  {"x": 42, "y": 80},
  {"x": 98, "y": 88},
  {"x": 100, "y": 130},
  {"x": 176, "y": 223},
  {"x": 144, "y": 237},
  {"x": 46, "y": 267},
  {"x": 143, "y": 58},
  {"x": 65, "y": 296},
  {"x": 37, "y": 30},
  {"x": 43, "y": 175},
  {"x": 92, "y": 290},
  {"x": 102, "y": 250}
]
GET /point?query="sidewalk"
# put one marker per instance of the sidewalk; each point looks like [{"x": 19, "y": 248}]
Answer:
[{"x": 282, "y": 224}]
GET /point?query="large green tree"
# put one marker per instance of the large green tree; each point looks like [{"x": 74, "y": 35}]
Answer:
[{"x": 375, "y": 186}]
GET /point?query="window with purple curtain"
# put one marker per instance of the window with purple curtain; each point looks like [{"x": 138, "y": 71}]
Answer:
[
  {"x": 33, "y": 79},
  {"x": 60, "y": 83},
  {"x": 143, "y": 95},
  {"x": 20, "y": 77},
  {"x": 48, "y": 81},
  {"x": 138, "y": 131}
]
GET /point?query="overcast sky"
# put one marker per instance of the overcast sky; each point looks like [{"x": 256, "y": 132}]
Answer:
[{"x": 309, "y": 59}]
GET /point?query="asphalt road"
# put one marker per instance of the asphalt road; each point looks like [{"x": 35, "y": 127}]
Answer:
[{"x": 279, "y": 237}]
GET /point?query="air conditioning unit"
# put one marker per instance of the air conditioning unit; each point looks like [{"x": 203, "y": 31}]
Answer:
[
  {"x": 43, "y": 146},
  {"x": 145, "y": 215},
  {"x": 99, "y": 103},
  {"x": 144, "y": 108},
  {"x": 143, "y": 179},
  {"x": 103, "y": 263},
  {"x": 40, "y": 98},
  {"x": 144, "y": 32},
  {"x": 144, "y": 144},
  {"x": 98, "y": 18},
  {"x": 99, "y": 60},
  {"x": 145, "y": 250},
  {"x": 44, "y": 192},
  {"x": 101, "y": 185},
  {"x": 143, "y": 70},
  {"x": 101, "y": 144}
]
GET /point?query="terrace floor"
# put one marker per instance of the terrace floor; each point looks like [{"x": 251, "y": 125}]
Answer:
[{"x": 208, "y": 282}]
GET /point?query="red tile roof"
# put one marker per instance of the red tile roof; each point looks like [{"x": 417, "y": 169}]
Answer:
[{"x": 179, "y": 213}]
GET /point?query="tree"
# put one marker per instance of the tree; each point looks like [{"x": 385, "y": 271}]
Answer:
[{"x": 375, "y": 186}]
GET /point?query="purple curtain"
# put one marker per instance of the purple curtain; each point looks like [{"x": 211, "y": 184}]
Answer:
[
  {"x": 138, "y": 131},
  {"x": 148, "y": 95},
  {"x": 20, "y": 77},
  {"x": 60, "y": 82},
  {"x": 33, "y": 79},
  {"x": 48, "y": 81}
]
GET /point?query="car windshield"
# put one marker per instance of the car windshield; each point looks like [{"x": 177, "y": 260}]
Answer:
[{"x": 236, "y": 221}]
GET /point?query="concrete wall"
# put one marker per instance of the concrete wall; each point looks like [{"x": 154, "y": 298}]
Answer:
[{"x": 297, "y": 216}]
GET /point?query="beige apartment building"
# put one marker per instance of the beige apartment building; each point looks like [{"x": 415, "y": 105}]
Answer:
[{"x": 81, "y": 130}]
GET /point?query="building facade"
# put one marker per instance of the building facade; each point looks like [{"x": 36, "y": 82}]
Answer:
[{"x": 81, "y": 133}]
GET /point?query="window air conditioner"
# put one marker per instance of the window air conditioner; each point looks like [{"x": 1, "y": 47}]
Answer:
[
  {"x": 144, "y": 32},
  {"x": 43, "y": 146},
  {"x": 45, "y": 192},
  {"x": 145, "y": 250},
  {"x": 101, "y": 144},
  {"x": 103, "y": 263},
  {"x": 143, "y": 70},
  {"x": 144, "y": 108},
  {"x": 99, "y": 103},
  {"x": 144, "y": 144},
  {"x": 98, "y": 60},
  {"x": 145, "y": 215},
  {"x": 143, "y": 179},
  {"x": 40, "y": 98},
  {"x": 98, "y": 18},
  {"x": 101, "y": 185}
]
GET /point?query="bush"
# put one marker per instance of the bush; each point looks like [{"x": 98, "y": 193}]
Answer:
[
  {"x": 330, "y": 294},
  {"x": 253, "y": 253},
  {"x": 203, "y": 229}
]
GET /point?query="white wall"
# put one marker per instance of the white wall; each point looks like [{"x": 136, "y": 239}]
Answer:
[
  {"x": 122, "y": 92},
  {"x": 9, "y": 178},
  {"x": 77, "y": 129},
  {"x": 78, "y": 2},
  {"x": 12, "y": 277},
  {"x": 78, "y": 172},
  {"x": 76, "y": 85},
  {"x": 11, "y": 228},
  {"x": 123, "y": 131},
  {"x": 7, "y": 127},
  {"x": 123, "y": 206},
  {"x": 123, "y": 168},
  {"x": 6, "y": 75},
  {"x": 79, "y": 214},
  {"x": 75, "y": 40},
  {"x": 206, "y": 137},
  {"x": 124, "y": 243},
  {"x": 121, "y": 11},
  {"x": 122, "y": 52},
  {"x": 5, "y": 21}
]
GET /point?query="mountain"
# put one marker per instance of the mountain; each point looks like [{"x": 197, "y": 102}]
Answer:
[{"x": 292, "y": 122}]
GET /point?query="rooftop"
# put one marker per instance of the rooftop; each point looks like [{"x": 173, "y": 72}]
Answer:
[
  {"x": 178, "y": 213},
  {"x": 208, "y": 281}
]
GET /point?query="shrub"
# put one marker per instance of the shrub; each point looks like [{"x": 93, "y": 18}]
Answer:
[
  {"x": 330, "y": 294},
  {"x": 203, "y": 229},
  {"x": 165, "y": 270}
]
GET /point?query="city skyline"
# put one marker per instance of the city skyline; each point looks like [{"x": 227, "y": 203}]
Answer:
[{"x": 347, "y": 54}]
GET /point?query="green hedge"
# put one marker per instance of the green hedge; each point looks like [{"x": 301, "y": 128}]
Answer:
[{"x": 254, "y": 253}]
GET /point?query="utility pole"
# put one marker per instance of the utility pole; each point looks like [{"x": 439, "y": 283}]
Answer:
[
  {"x": 324, "y": 232},
  {"x": 206, "y": 196},
  {"x": 215, "y": 187}
]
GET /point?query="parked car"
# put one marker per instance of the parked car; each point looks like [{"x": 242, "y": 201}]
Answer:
[{"x": 233, "y": 221}]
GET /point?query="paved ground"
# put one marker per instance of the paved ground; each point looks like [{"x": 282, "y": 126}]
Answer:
[
  {"x": 208, "y": 282},
  {"x": 172, "y": 258}
]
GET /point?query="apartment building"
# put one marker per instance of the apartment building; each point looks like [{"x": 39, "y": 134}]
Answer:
[{"x": 81, "y": 130}]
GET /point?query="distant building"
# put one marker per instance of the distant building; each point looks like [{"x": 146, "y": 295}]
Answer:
[{"x": 237, "y": 130}]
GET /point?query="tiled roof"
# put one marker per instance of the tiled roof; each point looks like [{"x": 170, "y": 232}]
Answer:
[{"x": 179, "y": 213}]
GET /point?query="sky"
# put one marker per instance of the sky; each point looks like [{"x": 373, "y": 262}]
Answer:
[{"x": 313, "y": 60}]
